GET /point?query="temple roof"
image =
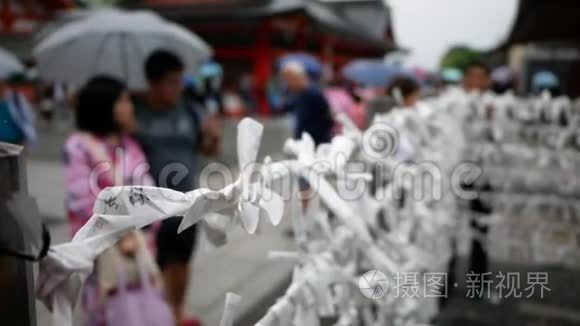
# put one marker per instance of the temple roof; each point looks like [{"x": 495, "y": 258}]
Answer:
[
  {"x": 366, "y": 20},
  {"x": 546, "y": 20}
]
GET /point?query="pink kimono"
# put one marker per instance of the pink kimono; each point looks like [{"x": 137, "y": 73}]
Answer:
[
  {"x": 92, "y": 164},
  {"x": 341, "y": 102}
]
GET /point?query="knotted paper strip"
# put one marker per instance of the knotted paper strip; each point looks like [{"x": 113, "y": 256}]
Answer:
[{"x": 120, "y": 210}]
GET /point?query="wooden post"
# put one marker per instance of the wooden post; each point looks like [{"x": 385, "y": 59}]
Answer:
[{"x": 17, "y": 299}]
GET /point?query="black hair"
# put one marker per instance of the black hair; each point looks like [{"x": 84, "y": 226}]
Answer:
[
  {"x": 406, "y": 85},
  {"x": 477, "y": 64},
  {"x": 96, "y": 104},
  {"x": 161, "y": 63}
]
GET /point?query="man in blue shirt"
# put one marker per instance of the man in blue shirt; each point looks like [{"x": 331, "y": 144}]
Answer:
[
  {"x": 173, "y": 133},
  {"x": 309, "y": 105}
]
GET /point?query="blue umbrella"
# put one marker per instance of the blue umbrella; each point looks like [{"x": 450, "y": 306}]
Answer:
[
  {"x": 374, "y": 73},
  {"x": 544, "y": 79},
  {"x": 210, "y": 70},
  {"x": 451, "y": 75},
  {"x": 311, "y": 64}
]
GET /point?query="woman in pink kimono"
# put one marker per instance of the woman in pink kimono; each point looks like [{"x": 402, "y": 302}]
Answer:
[{"x": 100, "y": 154}]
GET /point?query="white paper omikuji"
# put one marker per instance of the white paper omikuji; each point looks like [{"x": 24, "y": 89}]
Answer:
[
  {"x": 244, "y": 198},
  {"x": 65, "y": 268},
  {"x": 349, "y": 318},
  {"x": 330, "y": 252},
  {"x": 231, "y": 309},
  {"x": 349, "y": 128},
  {"x": 306, "y": 315},
  {"x": 307, "y": 167},
  {"x": 280, "y": 314},
  {"x": 119, "y": 210},
  {"x": 144, "y": 204},
  {"x": 215, "y": 231}
]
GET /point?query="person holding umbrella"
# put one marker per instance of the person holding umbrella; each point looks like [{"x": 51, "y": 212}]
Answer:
[
  {"x": 173, "y": 133},
  {"x": 118, "y": 43}
]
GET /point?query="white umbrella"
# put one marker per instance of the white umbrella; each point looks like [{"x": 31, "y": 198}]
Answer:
[
  {"x": 115, "y": 43},
  {"x": 61, "y": 19},
  {"x": 9, "y": 64}
]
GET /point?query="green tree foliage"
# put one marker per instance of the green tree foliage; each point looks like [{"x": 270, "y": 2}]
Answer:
[{"x": 459, "y": 57}]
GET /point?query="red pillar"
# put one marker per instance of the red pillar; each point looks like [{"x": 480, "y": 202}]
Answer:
[
  {"x": 7, "y": 16},
  {"x": 301, "y": 34},
  {"x": 263, "y": 66}
]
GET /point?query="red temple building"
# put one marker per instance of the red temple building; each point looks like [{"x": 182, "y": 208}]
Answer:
[
  {"x": 248, "y": 36},
  {"x": 20, "y": 19}
]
